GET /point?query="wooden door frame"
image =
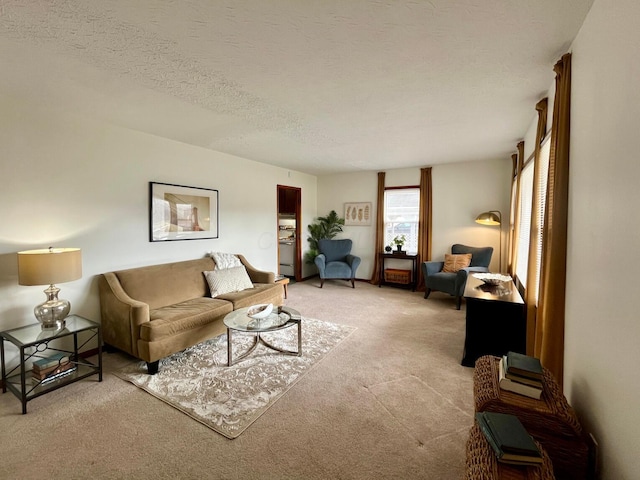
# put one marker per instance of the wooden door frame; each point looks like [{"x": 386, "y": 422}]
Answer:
[{"x": 298, "y": 216}]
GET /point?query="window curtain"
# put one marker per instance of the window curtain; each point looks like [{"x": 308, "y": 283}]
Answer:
[
  {"x": 379, "y": 247},
  {"x": 516, "y": 213},
  {"x": 532, "y": 271},
  {"x": 424, "y": 225},
  {"x": 549, "y": 338}
]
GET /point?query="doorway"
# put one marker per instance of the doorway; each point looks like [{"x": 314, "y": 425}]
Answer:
[{"x": 289, "y": 241}]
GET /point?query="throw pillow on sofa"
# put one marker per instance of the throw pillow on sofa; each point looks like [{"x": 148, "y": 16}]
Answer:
[
  {"x": 225, "y": 260},
  {"x": 453, "y": 263},
  {"x": 228, "y": 280}
]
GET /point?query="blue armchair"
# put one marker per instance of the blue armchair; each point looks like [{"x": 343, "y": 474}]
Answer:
[
  {"x": 335, "y": 260},
  {"x": 454, "y": 283}
]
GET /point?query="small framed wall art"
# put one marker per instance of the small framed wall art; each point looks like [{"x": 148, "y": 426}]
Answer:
[
  {"x": 357, "y": 213},
  {"x": 178, "y": 212}
]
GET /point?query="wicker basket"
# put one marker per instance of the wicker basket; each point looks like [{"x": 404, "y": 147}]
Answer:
[
  {"x": 481, "y": 463},
  {"x": 394, "y": 275},
  {"x": 550, "y": 420}
]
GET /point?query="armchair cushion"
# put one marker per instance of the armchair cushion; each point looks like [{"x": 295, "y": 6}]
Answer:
[
  {"x": 453, "y": 263},
  {"x": 480, "y": 256}
]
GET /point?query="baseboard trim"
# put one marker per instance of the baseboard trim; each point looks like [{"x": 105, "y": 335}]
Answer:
[{"x": 304, "y": 279}]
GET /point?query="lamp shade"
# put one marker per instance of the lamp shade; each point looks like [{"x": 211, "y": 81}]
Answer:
[
  {"x": 489, "y": 218},
  {"x": 49, "y": 265}
]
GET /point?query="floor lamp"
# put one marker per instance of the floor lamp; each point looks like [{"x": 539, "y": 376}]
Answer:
[{"x": 492, "y": 218}]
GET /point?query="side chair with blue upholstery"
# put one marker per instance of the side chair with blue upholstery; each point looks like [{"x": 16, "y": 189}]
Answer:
[
  {"x": 335, "y": 260},
  {"x": 453, "y": 283}
]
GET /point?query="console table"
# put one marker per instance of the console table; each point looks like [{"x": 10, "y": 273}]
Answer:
[
  {"x": 496, "y": 320},
  {"x": 414, "y": 259}
]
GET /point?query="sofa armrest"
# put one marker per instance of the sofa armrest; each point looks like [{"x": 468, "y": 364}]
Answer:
[
  {"x": 121, "y": 315},
  {"x": 257, "y": 276}
]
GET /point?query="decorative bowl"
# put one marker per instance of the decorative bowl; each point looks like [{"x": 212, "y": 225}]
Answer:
[
  {"x": 492, "y": 278},
  {"x": 260, "y": 311}
]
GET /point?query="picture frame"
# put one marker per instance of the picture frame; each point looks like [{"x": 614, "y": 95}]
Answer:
[
  {"x": 179, "y": 212},
  {"x": 357, "y": 213}
]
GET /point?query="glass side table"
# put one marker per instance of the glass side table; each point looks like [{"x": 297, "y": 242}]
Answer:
[{"x": 36, "y": 344}]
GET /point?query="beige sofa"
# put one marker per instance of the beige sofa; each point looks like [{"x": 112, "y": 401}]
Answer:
[{"x": 154, "y": 311}]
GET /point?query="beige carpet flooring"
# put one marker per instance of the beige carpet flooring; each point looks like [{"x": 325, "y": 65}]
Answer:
[{"x": 390, "y": 402}]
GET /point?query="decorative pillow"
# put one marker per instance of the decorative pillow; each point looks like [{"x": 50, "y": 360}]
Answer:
[
  {"x": 225, "y": 260},
  {"x": 453, "y": 263},
  {"x": 228, "y": 280}
]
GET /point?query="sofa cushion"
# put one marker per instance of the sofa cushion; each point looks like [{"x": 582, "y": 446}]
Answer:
[
  {"x": 227, "y": 280},
  {"x": 453, "y": 263},
  {"x": 166, "y": 284},
  {"x": 260, "y": 293},
  {"x": 174, "y": 319}
]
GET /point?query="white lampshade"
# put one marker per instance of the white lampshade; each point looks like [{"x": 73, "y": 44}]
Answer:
[{"x": 49, "y": 265}]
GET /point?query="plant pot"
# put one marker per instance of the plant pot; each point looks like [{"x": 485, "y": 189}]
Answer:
[{"x": 398, "y": 249}]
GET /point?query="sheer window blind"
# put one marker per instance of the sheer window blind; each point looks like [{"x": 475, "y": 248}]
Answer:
[{"x": 524, "y": 228}]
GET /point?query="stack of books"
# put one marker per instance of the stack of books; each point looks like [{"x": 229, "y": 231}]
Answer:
[
  {"x": 509, "y": 439},
  {"x": 521, "y": 374},
  {"x": 52, "y": 367}
]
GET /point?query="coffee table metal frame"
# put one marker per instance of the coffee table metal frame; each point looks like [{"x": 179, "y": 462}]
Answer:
[{"x": 239, "y": 321}]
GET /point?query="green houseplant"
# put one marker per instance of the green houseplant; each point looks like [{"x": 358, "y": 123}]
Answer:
[
  {"x": 399, "y": 241},
  {"x": 322, "y": 227}
]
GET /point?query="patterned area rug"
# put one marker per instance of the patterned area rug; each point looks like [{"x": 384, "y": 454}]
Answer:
[{"x": 198, "y": 382}]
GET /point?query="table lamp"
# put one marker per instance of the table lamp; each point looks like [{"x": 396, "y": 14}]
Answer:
[
  {"x": 492, "y": 218},
  {"x": 47, "y": 267}
]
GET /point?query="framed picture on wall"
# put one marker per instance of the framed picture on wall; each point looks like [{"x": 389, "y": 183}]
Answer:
[
  {"x": 357, "y": 213},
  {"x": 178, "y": 212}
]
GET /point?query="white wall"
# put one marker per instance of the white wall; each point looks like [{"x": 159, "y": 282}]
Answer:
[
  {"x": 602, "y": 325},
  {"x": 336, "y": 190},
  {"x": 71, "y": 182},
  {"x": 460, "y": 192}
]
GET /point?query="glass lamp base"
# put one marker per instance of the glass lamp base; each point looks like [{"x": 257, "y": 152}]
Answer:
[{"x": 51, "y": 314}]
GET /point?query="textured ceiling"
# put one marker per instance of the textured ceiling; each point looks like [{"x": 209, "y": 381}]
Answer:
[{"x": 319, "y": 86}]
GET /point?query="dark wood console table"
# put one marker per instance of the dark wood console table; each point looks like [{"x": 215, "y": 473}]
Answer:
[
  {"x": 399, "y": 256},
  {"x": 496, "y": 320}
]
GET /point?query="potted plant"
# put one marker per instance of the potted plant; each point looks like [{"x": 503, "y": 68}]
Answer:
[
  {"x": 399, "y": 241},
  {"x": 323, "y": 227}
]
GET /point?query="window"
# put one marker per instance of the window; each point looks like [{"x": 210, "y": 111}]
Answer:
[
  {"x": 542, "y": 204},
  {"x": 526, "y": 236},
  {"x": 524, "y": 229},
  {"x": 401, "y": 216}
]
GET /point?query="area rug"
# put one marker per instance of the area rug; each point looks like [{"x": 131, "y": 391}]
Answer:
[{"x": 198, "y": 382}]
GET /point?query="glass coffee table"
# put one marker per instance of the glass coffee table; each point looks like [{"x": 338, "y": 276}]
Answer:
[{"x": 280, "y": 318}]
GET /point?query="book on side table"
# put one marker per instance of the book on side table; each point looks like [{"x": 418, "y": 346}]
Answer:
[
  {"x": 523, "y": 366},
  {"x": 508, "y": 438},
  {"x": 515, "y": 385}
]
